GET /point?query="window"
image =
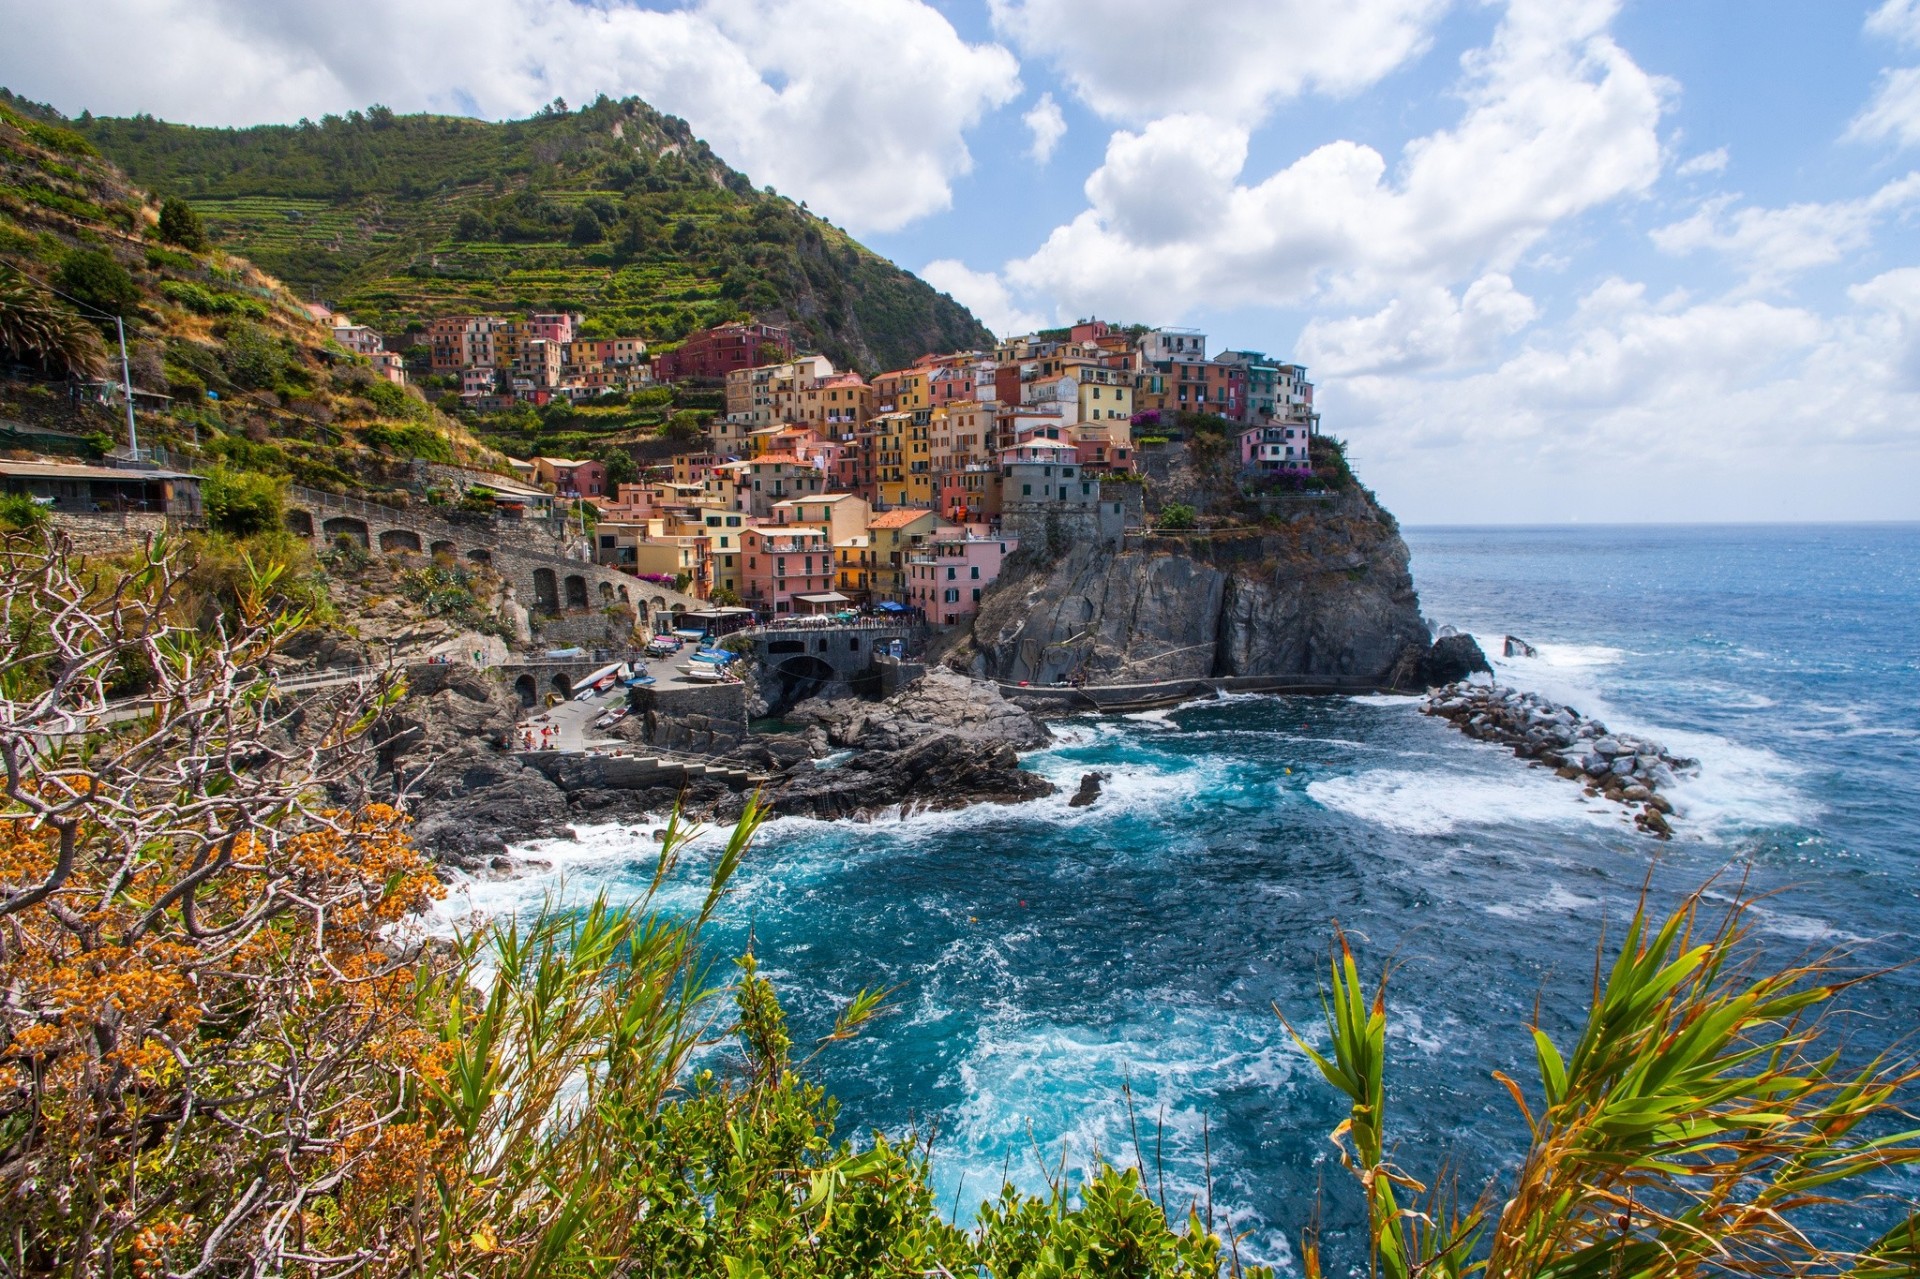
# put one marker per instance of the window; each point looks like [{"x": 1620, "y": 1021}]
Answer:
[
  {"x": 976, "y": 595},
  {"x": 951, "y": 572},
  {"x": 1026, "y": 490},
  {"x": 976, "y": 573}
]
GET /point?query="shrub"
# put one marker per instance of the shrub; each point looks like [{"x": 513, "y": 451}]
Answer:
[
  {"x": 180, "y": 224},
  {"x": 96, "y": 280},
  {"x": 1175, "y": 516},
  {"x": 19, "y": 511},
  {"x": 241, "y": 503},
  {"x": 254, "y": 358},
  {"x": 410, "y": 441}
]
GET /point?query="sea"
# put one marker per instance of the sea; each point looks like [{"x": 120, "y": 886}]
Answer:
[{"x": 1108, "y": 982}]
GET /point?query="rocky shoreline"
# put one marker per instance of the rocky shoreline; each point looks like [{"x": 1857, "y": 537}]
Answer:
[{"x": 1628, "y": 770}]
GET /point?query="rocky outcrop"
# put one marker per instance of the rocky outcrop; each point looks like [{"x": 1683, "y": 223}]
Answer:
[
  {"x": 937, "y": 772},
  {"x": 1453, "y": 657},
  {"x": 943, "y": 742},
  {"x": 1324, "y": 590},
  {"x": 1626, "y": 769},
  {"x": 940, "y": 702}
]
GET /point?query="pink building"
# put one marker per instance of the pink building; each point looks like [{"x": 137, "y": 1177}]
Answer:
[
  {"x": 571, "y": 478},
  {"x": 780, "y": 563},
  {"x": 552, "y": 326},
  {"x": 947, "y": 578},
  {"x": 1278, "y": 448}
]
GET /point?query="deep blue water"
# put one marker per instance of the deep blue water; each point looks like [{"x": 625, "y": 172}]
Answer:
[{"x": 1050, "y": 959}]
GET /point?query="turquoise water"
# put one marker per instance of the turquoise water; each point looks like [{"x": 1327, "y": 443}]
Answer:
[{"x": 1051, "y": 960}]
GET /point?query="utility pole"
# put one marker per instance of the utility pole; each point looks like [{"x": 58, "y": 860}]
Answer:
[{"x": 126, "y": 389}]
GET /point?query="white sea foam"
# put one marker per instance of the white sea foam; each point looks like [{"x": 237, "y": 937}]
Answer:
[
  {"x": 1438, "y": 801},
  {"x": 1557, "y": 900}
]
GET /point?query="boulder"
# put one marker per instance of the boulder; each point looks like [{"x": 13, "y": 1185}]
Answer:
[
  {"x": 1451, "y": 659},
  {"x": 936, "y": 772},
  {"x": 1514, "y": 646},
  {"x": 1089, "y": 790}
]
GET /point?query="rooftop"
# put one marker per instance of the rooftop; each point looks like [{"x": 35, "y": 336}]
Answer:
[
  {"x": 80, "y": 471},
  {"x": 899, "y": 518}
]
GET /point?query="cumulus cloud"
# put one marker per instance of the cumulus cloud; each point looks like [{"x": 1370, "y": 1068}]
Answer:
[
  {"x": 1771, "y": 245},
  {"x": 1897, "y": 20},
  {"x": 983, "y": 293},
  {"x": 1558, "y": 120},
  {"x": 1234, "y": 59},
  {"x": 1894, "y": 113},
  {"x": 1648, "y": 410},
  {"x": 1424, "y": 329},
  {"x": 1044, "y": 120},
  {"x": 861, "y": 107}
]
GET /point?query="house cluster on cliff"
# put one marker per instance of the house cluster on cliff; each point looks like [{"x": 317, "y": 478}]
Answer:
[{"x": 820, "y": 489}]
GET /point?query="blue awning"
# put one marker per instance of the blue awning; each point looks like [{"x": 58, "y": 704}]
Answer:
[{"x": 888, "y": 606}]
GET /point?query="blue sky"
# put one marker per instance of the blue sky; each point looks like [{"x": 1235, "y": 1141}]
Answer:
[{"x": 1598, "y": 260}]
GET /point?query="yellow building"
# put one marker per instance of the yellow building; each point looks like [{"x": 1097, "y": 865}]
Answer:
[
  {"x": 893, "y": 536},
  {"x": 902, "y": 390}
]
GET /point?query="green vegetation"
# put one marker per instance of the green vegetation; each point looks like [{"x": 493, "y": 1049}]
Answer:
[
  {"x": 19, "y": 511},
  {"x": 615, "y": 209},
  {"x": 240, "y": 503},
  {"x": 180, "y": 225},
  {"x": 1175, "y": 516},
  {"x": 255, "y": 384}
]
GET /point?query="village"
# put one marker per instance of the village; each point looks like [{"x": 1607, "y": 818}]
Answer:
[{"x": 820, "y": 490}]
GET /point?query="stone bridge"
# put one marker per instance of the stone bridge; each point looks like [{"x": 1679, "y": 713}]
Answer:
[
  {"x": 538, "y": 558},
  {"x": 798, "y": 660}
]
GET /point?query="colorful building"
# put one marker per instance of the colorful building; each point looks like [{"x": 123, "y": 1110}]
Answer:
[
  {"x": 950, "y": 574},
  {"x": 711, "y": 354},
  {"x": 784, "y": 562}
]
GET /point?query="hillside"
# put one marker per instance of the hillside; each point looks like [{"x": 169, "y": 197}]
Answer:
[
  {"x": 615, "y": 210},
  {"x": 254, "y": 383}
]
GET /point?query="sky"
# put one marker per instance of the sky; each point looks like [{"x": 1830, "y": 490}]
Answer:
[{"x": 1606, "y": 261}]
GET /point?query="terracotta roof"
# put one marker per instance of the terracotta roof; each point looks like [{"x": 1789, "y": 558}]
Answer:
[
  {"x": 776, "y": 459},
  {"x": 897, "y": 518}
]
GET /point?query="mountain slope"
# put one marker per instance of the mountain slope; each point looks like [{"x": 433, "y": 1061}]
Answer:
[
  {"x": 614, "y": 209},
  {"x": 254, "y": 382}
]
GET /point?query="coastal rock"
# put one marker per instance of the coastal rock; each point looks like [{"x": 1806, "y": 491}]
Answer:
[
  {"x": 1452, "y": 659},
  {"x": 939, "y": 702},
  {"x": 1089, "y": 790},
  {"x": 1326, "y": 592},
  {"x": 938, "y": 772},
  {"x": 1626, "y": 769},
  {"x": 1514, "y": 646}
]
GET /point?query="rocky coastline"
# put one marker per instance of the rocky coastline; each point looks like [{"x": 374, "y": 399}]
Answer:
[{"x": 1630, "y": 771}]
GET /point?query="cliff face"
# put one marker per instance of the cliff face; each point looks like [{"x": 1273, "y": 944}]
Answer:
[{"x": 1325, "y": 590}]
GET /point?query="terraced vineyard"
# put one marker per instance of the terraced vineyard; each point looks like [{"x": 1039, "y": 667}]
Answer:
[{"x": 614, "y": 210}]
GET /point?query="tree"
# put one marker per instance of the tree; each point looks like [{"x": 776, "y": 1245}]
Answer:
[
  {"x": 181, "y": 225},
  {"x": 1175, "y": 516},
  {"x": 94, "y": 279},
  {"x": 586, "y": 229},
  {"x": 1702, "y": 1123},
  {"x": 241, "y": 503},
  {"x": 41, "y": 332}
]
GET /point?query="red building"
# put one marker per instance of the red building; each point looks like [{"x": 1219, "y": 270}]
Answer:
[{"x": 711, "y": 354}]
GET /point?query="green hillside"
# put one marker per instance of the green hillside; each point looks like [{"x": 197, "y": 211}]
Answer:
[
  {"x": 615, "y": 210},
  {"x": 254, "y": 384}
]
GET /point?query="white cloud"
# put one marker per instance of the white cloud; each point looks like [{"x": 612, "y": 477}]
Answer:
[
  {"x": 1896, "y": 20},
  {"x": 1705, "y": 163},
  {"x": 1771, "y": 245},
  {"x": 1047, "y": 125},
  {"x": 1424, "y": 329},
  {"x": 983, "y": 293},
  {"x": 1231, "y": 59},
  {"x": 861, "y": 107},
  {"x": 1894, "y": 113},
  {"x": 1639, "y": 410},
  {"x": 1558, "y": 120}
]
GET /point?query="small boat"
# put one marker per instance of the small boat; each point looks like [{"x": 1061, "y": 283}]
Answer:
[
  {"x": 704, "y": 673},
  {"x": 611, "y": 718},
  {"x": 639, "y": 681}
]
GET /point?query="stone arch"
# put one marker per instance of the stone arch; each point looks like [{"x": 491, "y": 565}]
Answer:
[
  {"x": 660, "y": 603},
  {"x": 443, "y": 547},
  {"x": 346, "y": 526},
  {"x": 623, "y": 596},
  {"x": 527, "y": 690},
  {"x": 576, "y": 591},
  {"x": 546, "y": 590},
  {"x": 480, "y": 555},
  {"x": 795, "y": 680},
  {"x": 562, "y": 685},
  {"x": 300, "y": 523},
  {"x": 606, "y": 592},
  {"x": 399, "y": 539}
]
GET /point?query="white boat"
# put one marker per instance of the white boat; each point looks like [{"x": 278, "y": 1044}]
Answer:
[{"x": 703, "y": 673}]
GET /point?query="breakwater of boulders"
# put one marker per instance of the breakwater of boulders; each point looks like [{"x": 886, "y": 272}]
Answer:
[{"x": 1628, "y": 770}]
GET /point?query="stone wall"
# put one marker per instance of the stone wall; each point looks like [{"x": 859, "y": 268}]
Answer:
[
  {"x": 701, "y": 720},
  {"x": 108, "y": 532}
]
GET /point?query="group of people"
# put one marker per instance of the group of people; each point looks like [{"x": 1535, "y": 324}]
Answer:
[{"x": 548, "y": 737}]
